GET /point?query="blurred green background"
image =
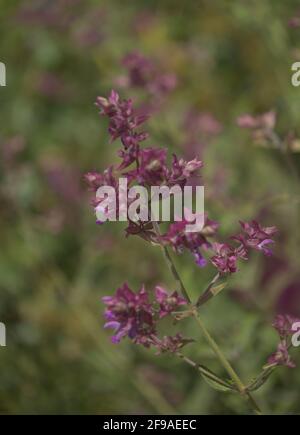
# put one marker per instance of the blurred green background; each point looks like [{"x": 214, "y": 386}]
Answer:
[{"x": 56, "y": 264}]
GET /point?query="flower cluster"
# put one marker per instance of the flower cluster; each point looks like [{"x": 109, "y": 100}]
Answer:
[
  {"x": 137, "y": 315},
  {"x": 148, "y": 166},
  {"x": 179, "y": 239},
  {"x": 122, "y": 119},
  {"x": 254, "y": 236},
  {"x": 283, "y": 324},
  {"x": 133, "y": 315}
]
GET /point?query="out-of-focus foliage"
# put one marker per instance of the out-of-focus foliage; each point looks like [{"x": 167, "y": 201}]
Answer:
[{"x": 55, "y": 263}]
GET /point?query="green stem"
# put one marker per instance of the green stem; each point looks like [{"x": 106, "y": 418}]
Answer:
[
  {"x": 225, "y": 363},
  {"x": 171, "y": 265}
]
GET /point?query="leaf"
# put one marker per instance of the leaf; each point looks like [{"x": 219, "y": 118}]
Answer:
[
  {"x": 214, "y": 381},
  {"x": 209, "y": 294},
  {"x": 215, "y": 385},
  {"x": 261, "y": 378},
  {"x": 217, "y": 289}
]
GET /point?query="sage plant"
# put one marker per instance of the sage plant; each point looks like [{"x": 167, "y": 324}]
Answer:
[{"x": 136, "y": 314}]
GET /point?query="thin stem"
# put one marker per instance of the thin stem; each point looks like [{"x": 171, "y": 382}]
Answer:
[
  {"x": 225, "y": 363},
  {"x": 171, "y": 265}
]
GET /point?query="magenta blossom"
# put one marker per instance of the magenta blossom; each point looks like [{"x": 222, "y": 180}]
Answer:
[
  {"x": 182, "y": 170},
  {"x": 225, "y": 258},
  {"x": 283, "y": 324},
  {"x": 179, "y": 239},
  {"x": 96, "y": 179},
  {"x": 130, "y": 314},
  {"x": 281, "y": 356},
  {"x": 123, "y": 120},
  {"x": 172, "y": 344},
  {"x": 151, "y": 168},
  {"x": 256, "y": 237},
  {"x": 151, "y": 163},
  {"x": 168, "y": 302}
]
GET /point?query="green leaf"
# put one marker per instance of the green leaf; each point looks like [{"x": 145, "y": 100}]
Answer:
[
  {"x": 261, "y": 378},
  {"x": 217, "y": 289},
  {"x": 214, "y": 381},
  {"x": 216, "y": 385}
]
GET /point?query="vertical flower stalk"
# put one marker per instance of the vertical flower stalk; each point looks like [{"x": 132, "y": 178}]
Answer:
[{"x": 137, "y": 315}]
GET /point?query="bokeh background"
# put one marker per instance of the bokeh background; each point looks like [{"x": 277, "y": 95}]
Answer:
[{"x": 55, "y": 263}]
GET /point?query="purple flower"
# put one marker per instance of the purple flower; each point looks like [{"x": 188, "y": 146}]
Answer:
[
  {"x": 179, "y": 239},
  {"x": 281, "y": 356},
  {"x": 129, "y": 314},
  {"x": 128, "y": 155},
  {"x": 96, "y": 179},
  {"x": 132, "y": 315},
  {"x": 182, "y": 170},
  {"x": 151, "y": 166},
  {"x": 168, "y": 302},
  {"x": 123, "y": 120},
  {"x": 256, "y": 237},
  {"x": 283, "y": 324},
  {"x": 171, "y": 344},
  {"x": 225, "y": 258}
]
